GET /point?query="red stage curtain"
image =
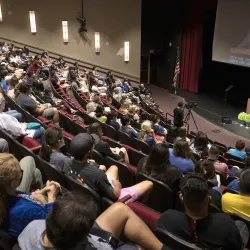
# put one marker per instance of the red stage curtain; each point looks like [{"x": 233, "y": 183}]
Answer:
[{"x": 191, "y": 52}]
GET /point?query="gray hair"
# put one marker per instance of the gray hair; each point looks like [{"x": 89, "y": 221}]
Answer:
[{"x": 91, "y": 107}]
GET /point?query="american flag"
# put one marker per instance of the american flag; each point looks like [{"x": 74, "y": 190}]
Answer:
[{"x": 177, "y": 69}]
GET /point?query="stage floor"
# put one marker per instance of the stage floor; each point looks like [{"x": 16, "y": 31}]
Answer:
[{"x": 207, "y": 114}]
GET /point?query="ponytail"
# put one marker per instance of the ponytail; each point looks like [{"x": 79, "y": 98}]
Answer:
[{"x": 46, "y": 151}]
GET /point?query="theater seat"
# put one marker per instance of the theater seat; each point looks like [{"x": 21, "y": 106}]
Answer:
[
  {"x": 31, "y": 143},
  {"x": 148, "y": 215}
]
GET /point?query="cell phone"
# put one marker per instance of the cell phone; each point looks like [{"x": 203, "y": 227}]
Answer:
[{"x": 107, "y": 236}]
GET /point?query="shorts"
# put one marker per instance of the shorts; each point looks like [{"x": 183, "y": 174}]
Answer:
[
  {"x": 129, "y": 191},
  {"x": 48, "y": 113},
  {"x": 104, "y": 241}
]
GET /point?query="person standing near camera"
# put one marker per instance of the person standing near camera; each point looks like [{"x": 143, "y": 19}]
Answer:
[{"x": 179, "y": 115}]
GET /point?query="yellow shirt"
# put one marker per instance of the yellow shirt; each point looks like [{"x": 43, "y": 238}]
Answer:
[{"x": 236, "y": 204}]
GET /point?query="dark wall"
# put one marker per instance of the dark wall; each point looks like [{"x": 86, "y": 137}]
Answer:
[
  {"x": 161, "y": 25},
  {"x": 215, "y": 77}
]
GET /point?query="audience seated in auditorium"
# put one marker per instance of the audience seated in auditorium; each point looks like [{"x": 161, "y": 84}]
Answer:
[
  {"x": 157, "y": 165},
  {"x": 27, "y": 103},
  {"x": 239, "y": 203},
  {"x": 119, "y": 154},
  {"x": 200, "y": 146},
  {"x": 147, "y": 134},
  {"x": 63, "y": 230},
  {"x": 207, "y": 170},
  {"x": 179, "y": 156},
  {"x": 196, "y": 225},
  {"x": 221, "y": 167},
  {"x": 18, "y": 208},
  {"x": 99, "y": 113},
  {"x": 11, "y": 125},
  {"x": 12, "y": 84},
  {"x": 105, "y": 184},
  {"x": 50, "y": 150},
  {"x": 156, "y": 126},
  {"x": 183, "y": 134},
  {"x": 126, "y": 128},
  {"x": 238, "y": 150},
  {"x": 112, "y": 120}
]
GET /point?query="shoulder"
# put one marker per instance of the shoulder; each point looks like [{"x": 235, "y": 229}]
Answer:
[{"x": 170, "y": 216}]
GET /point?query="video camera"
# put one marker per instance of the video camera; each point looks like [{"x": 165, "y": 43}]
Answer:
[{"x": 191, "y": 104}]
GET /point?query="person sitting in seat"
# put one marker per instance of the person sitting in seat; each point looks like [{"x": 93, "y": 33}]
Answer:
[
  {"x": 156, "y": 126},
  {"x": 157, "y": 166},
  {"x": 63, "y": 230},
  {"x": 11, "y": 125},
  {"x": 12, "y": 84},
  {"x": 91, "y": 107},
  {"x": 27, "y": 103},
  {"x": 207, "y": 170},
  {"x": 238, "y": 150},
  {"x": 119, "y": 154},
  {"x": 112, "y": 120},
  {"x": 200, "y": 146},
  {"x": 147, "y": 134},
  {"x": 105, "y": 184},
  {"x": 183, "y": 134},
  {"x": 221, "y": 167},
  {"x": 50, "y": 150},
  {"x": 126, "y": 128},
  {"x": 196, "y": 225},
  {"x": 99, "y": 113},
  {"x": 239, "y": 203},
  {"x": 179, "y": 156},
  {"x": 18, "y": 209}
]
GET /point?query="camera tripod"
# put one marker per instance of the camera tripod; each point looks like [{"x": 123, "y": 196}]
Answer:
[{"x": 186, "y": 120}]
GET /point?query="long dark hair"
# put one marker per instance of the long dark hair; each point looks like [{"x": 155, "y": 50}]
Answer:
[
  {"x": 99, "y": 112},
  {"x": 52, "y": 136},
  {"x": 201, "y": 143},
  {"x": 95, "y": 128},
  {"x": 181, "y": 149},
  {"x": 157, "y": 162},
  {"x": 111, "y": 116}
]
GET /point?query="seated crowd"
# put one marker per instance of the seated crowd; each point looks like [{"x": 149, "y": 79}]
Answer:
[{"x": 41, "y": 214}]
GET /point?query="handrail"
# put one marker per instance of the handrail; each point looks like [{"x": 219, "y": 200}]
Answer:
[{"x": 71, "y": 59}]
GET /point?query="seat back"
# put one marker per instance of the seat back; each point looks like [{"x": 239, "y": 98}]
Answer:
[
  {"x": 141, "y": 145},
  {"x": 112, "y": 143},
  {"x": 109, "y": 131},
  {"x": 80, "y": 100},
  {"x": 5, "y": 241},
  {"x": 80, "y": 187},
  {"x": 232, "y": 162},
  {"x": 135, "y": 156},
  {"x": 229, "y": 190},
  {"x": 173, "y": 241},
  {"x": 221, "y": 145},
  {"x": 98, "y": 157},
  {"x": 126, "y": 175},
  {"x": 124, "y": 138},
  {"x": 50, "y": 172},
  {"x": 230, "y": 156},
  {"x": 223, "y": 179},
  {"x": 161, "y": 197},
  {"x": 243, "y": 224}
]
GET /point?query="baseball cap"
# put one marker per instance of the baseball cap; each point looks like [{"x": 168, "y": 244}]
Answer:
[{"x": 80, "y": 145}]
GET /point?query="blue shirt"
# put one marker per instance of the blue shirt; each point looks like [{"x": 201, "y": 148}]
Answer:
[
  {"x": 238, "y": 153},
  {"x": 184, "y": 164},
  {"x": 130, "y": 131},
  {"x": 21, "y": 211},
  {"x": 234, "y": 185},
  {"x": 125, "y": 89},
  {"x": 4, "y": 85}
]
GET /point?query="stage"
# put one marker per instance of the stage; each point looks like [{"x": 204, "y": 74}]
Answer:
[{"x": 207, "y": 114}]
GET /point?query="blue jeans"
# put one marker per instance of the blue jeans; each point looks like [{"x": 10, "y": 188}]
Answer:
[
  {"x": 39, "y": 134},
  {"x": 15, "y": 114}
]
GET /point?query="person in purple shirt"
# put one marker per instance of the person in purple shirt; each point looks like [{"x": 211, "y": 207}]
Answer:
[
  {"x": 179, "y": 156},
  {"x": 18, "y": 209}
]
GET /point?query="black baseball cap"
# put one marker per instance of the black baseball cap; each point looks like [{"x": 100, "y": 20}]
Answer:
[{"x": 80, "y": 145}]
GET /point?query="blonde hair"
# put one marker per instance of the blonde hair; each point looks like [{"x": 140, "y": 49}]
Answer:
[
  {"x": 132, "y": 109},
  {"x": 124, "y": 109},
  {"x": 9, "y": 167},
  {"x": 145, "y": 130}
]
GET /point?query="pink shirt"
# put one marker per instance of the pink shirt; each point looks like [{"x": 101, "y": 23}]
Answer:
[{"x": 221, "y": 167}]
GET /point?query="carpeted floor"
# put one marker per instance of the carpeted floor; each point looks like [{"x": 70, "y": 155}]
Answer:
[{"x": 168, "y": 102}]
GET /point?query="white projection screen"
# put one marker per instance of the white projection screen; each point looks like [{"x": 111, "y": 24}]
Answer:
[{"x": 232, "y": 32}]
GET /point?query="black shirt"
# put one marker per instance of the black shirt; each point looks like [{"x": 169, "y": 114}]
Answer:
[
  {"x": 91, "y": 175},
  {"x": 178, "y": 117},
  {"x": 217, "y": 229}
]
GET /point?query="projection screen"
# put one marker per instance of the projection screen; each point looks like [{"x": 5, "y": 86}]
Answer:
[{"x": 232, "y": 32}]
